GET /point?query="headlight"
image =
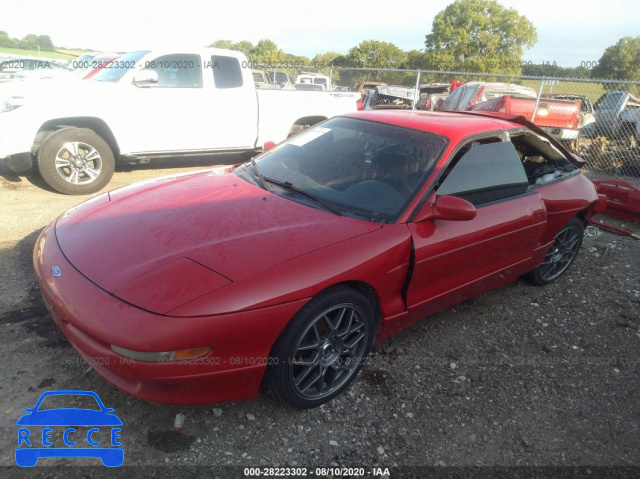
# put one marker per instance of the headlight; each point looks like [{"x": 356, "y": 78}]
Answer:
[{"x": 161, "y": 357}]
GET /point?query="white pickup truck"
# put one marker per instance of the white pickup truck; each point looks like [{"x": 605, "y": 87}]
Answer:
[{"x": 148, "y": 105}]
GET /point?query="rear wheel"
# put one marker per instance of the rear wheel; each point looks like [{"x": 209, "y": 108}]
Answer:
[
  {"x": 322, "y": 349},
  {"x": 562, "y": 253},
  {"x": 75, "y": 161}
]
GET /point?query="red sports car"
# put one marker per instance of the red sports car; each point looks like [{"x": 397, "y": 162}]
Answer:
[{"x": 199, "y": 287}]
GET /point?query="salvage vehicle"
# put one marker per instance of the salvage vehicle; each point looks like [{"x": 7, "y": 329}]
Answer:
[
  {"x": 389, "y": 97},
  {"x": 148, "y": 105},
  {"x": 21, "y": 68},
  {"x": 366, "y": 86},
  {"x": 617, "y": 116},
  {"x": 559, "y": 118},
  {"x": 261, "y": 80},
  {"x": 307, "y": 78},
  {"x": 466, "y": 96},
  {"x": 431, "y": 94},
  {"x": 284, "y": 270}
]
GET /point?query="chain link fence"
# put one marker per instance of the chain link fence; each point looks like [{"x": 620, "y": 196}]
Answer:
[{"x": 597, "y": 119}]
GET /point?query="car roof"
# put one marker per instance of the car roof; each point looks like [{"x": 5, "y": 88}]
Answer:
[{"x": 455, "y": 125}]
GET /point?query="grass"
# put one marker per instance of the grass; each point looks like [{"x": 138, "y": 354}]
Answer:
[
  {"x": 57, "y": 55},
  {"x": 592, "y": 90}
]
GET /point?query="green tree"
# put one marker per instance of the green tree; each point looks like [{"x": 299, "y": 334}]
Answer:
[
  {"x": 226, "y": 44},
  {"x": 299, "y": 59},
  {"x": 329, "y": 59},
  {"x": 244, "y": 46},
  {"x": 45, "y": 43},
  {"x": 6, "y": 41},
  {"x": 29, "y": 42},
  {"x": 479, "y": 36},
  {"x": 376, "y": 54},
  {"x": 620, "y": 61},
  {"x": 266, "y": 51}
]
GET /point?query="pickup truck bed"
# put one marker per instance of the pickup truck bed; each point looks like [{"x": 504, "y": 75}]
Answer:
[{"x": 560, "y": 118}]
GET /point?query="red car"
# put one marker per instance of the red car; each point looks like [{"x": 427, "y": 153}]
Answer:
[{"x": 196, "y": 288}]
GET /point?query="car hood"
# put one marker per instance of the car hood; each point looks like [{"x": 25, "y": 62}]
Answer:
[{"x": 161, "y": 243}]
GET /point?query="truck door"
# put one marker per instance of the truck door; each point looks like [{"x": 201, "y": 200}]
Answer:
[
  {"x": 232, "y": 103},
  {"x": 198, "y": 103}
]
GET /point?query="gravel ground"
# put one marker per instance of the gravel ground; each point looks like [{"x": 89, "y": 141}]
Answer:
[{"x": 521, "y": 382}]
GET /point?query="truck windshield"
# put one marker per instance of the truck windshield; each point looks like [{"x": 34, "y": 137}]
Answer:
[
  {"x": 356, "y": 168},
  {"x": 113, "y": 72}
]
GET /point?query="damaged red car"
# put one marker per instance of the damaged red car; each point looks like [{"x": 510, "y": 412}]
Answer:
[{"x": 284, "y": 270}]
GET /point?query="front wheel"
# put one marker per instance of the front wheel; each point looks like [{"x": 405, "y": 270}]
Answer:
[
  {"x": 564, "y": 250},
  {"x": 322, "y": 349},
  {"x": 75, "y": 161}
]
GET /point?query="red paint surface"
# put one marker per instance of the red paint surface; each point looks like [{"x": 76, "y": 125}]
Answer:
[{"x": 210, "y": 260}]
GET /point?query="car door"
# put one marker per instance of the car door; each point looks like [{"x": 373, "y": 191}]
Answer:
[{"x": 455, "y": 260}]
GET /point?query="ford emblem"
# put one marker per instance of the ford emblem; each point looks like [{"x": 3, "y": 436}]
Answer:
[{"x": 56, "y": 271}]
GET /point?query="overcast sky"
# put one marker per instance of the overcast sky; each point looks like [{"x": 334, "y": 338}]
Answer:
[{"x": 569, "y": 32}]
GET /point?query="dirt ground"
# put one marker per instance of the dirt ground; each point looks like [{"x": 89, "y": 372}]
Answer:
[{"x": 520, "y": 382}]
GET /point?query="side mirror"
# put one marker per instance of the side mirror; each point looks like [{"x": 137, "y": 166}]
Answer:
[
  {"x": 445, "y": 207},
  {"x": 268, "y": 145},
  {"x": 145, "y": 78}
]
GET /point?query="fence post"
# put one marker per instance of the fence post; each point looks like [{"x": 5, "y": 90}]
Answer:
[
  {"x": 416, "y": 93},
  {"x": 333, "y": 87},
  {"x": 535, "y": 108}
]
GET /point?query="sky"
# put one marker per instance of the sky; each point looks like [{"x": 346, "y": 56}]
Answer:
[{"x": 569, "y": 32}]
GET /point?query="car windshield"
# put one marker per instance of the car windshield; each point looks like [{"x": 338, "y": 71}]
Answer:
[
  {"x": 116, "y": 70},
  {"x": 356, "y": 168}
]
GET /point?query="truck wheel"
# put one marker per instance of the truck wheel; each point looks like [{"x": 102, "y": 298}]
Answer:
[{"x": 75, "y": 161}]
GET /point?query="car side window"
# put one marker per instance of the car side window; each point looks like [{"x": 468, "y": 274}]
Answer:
[
  {"x": 177, "y": 71},
  {"x": 482, "y": 173},
  {"x": 226, "y": 72}
]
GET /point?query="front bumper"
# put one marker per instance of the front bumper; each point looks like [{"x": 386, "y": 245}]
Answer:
[
  {"x": 19, "y": 163},
  {"x": 93, "y": 320}
]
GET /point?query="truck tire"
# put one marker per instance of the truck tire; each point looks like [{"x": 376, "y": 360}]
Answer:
[{"x": 75, "y": 161}]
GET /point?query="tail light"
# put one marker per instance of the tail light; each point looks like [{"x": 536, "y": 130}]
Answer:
[{"x": 360, "y": 104}]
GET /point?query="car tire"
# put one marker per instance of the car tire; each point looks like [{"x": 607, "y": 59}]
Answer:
[
  {"x": 322, "y": 349},
  {"x": 75, "y": 161},
  {"x": 564, "y": 250}
]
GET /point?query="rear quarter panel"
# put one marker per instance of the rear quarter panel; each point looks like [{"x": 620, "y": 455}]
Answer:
[{"x": 564, "y": 200}]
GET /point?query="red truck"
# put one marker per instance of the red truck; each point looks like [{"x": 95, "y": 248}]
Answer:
[{"x": 559, "y": 118}]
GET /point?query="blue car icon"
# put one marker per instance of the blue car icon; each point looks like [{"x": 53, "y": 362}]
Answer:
[{"x": 99, "y": 423}]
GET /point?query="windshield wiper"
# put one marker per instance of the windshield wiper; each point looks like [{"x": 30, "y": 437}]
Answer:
[
  {"x": 287, "y": 185},
  {"x": 260, "y": 177}
]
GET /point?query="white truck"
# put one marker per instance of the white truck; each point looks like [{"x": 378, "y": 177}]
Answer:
[{"x": 147, "y": 105}]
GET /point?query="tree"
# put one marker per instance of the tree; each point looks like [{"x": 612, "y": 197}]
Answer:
[
  {"x": 329, "y": 59},
  {"x": 266, "y": 51},
  {"x": 242, "y": 46},
  {"x": 45, "y": 43},
  {"x": 376, "y": 54},
  {"x": 620, "y": 61},
  {"x": 29, "y": 42},
  {"x": 6, "y": 41},
  {"x": 226, "y": 44},
  {"x": 479, "y": 36}
]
